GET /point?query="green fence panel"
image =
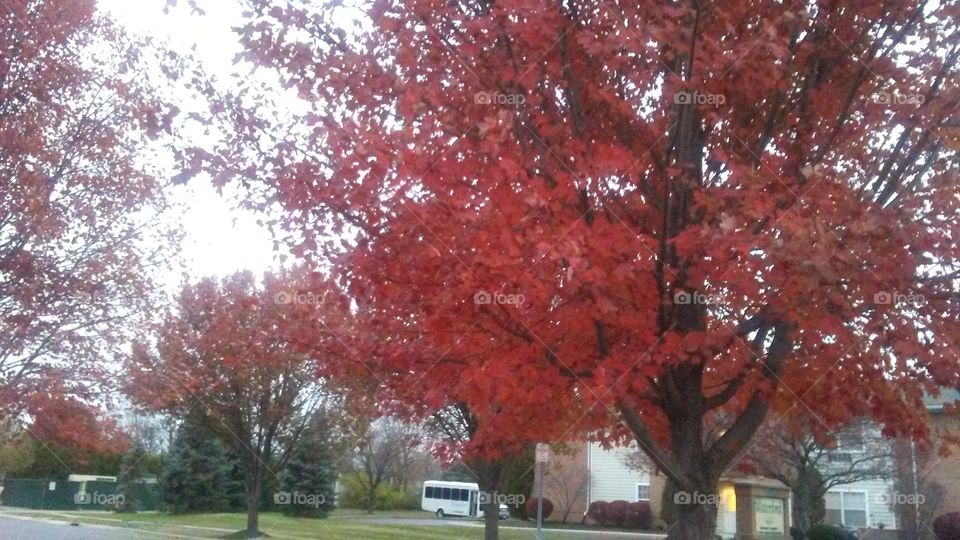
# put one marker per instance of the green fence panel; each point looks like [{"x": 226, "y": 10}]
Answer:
[
  {"x": 149, "y": 496},
  {"x": 36, "y": 493}
]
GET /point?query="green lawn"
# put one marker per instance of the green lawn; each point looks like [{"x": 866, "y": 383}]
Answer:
[{"x": 344, "y": 524}]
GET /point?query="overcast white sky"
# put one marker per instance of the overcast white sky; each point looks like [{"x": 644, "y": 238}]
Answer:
[{"x": 219, "y": 238}]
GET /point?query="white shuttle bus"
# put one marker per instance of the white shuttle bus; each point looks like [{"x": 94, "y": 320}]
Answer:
[
  {"x": 455, "y": 499},
  {"x": 451, "y": 498}
]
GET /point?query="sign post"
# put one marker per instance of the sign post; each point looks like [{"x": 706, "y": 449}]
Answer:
[{"x": 543, "y": 456}]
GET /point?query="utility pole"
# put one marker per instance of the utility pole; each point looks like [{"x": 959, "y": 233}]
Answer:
[{"x": 543, "y": 456}]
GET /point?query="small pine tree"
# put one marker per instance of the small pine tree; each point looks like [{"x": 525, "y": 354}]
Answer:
[
  {"x": 235, "y": 482},
  {"x": 127, "y": 481},
  {"x": 518, "y": 479},
  {"x": 196, "y": 473},
  {"x": 309, "y": 476}
]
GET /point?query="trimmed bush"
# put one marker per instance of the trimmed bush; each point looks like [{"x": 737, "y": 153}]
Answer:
[
  {"x": 531, "y": 508},
  {"x": 829, "y": 532},
  {"x": 629, "y": 515},
  {"x": 618, "y": 512},
  {"x": 599, "y": 512},
  {"x": 947, "y": 526},
  {"x": 639, "y": 516},
  {"x": 387, "y": 497}
]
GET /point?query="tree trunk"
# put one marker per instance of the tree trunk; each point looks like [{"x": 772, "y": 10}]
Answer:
[
  {"x": 491, "y": 519},
  {"x": 489, "y": 477},
  {"x": 801, "y": 508},
  {"x": 807, "y": 499},
  {"x": 253, "y": 503},
  {"x": 695, "y": 521},
  {"x": 371, "y": 497}
]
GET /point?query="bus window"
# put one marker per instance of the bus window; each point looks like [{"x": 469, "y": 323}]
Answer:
[
  {"x": 464, "y": 495},
  {"x": 446, "y": 494},
  {"x": 429, "y": 493}
]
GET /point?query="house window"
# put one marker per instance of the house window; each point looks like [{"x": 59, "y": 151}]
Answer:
[
  {"x": 643, "y": 492},
  {"x": 848, "y": 508},
  {"x": 851, "y": 439}
]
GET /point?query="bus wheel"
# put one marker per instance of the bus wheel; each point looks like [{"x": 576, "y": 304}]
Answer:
[{"x": 440, "y": 513}]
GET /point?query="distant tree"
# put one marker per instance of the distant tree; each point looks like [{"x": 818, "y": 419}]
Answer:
[
  {"x": 67, "y": 435},
  {"x": 457, "y": 472},
  {"x": 309, "y": 478},
  {"x": 457, "y": 427},
  {"x": 414, "y": 465},
  {"x": 196, "y": 472},
  {"x": 128, "y": 479},
  {"x": 377, "y": 456},
  {"x": 16, "y": 453},
  {"x": 151, "y": 431},
  {"x": 811, "y": 464},
  {"x": 244, "y": 355},
  {"x": 518, "y": 477},
  {"x": 567, "y": 485}
]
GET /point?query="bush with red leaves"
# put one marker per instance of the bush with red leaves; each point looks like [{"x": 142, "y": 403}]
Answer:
[
  {"x": 532, "y": 508},
  {"x": 947, "y": 526},
  {"x": 639, "y": 516},
  {"x": 618, "y": 513},
  {"x": 599, "y": 512}
]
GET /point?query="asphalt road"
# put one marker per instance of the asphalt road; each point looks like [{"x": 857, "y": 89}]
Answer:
[
  {"x": 12, "y": 528},
  {"x": 568, "y": 534},
  {"x": 28, "y": 529}
]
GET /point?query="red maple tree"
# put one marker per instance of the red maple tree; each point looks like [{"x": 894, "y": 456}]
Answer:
[
  {"x": 65, "y": 424},
  {"x": 79, "y": 204},
  {"x": 684, "y": 214},
  {"x": 228, "y": 353}
]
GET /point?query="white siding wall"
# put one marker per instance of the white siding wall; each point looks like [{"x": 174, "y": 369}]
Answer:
[
  {"x": 877, "y": 510},
  {"x": 610, "y": 478}
]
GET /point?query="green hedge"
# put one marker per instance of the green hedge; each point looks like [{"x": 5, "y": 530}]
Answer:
[{"x": 387, "y": 496}]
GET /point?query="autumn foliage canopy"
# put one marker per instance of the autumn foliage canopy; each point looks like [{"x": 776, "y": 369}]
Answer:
[
  {"x": 684, "y": 214},
  {"x": 81, "y": 107}
]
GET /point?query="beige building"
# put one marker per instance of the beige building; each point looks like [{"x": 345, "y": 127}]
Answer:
[
  {"x": 581, "y": 473},
  {"x": 930, "y": 472}
]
